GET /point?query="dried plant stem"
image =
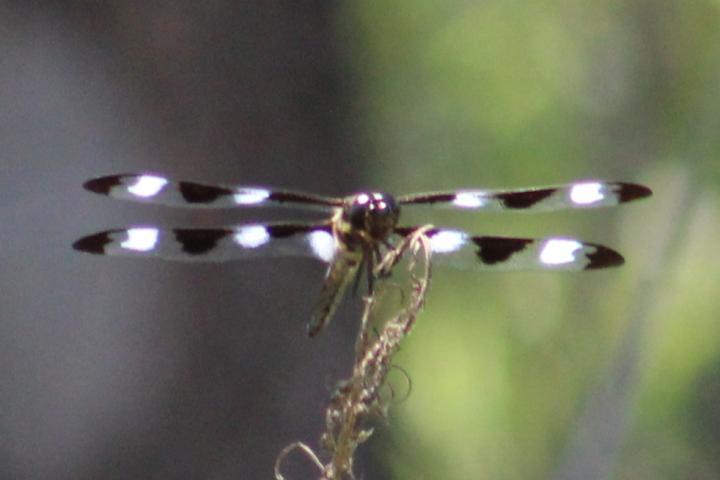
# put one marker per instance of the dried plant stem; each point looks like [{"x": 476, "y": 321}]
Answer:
[
  {"x": 359, "y": 398},
  {"x": 294, "y": 446}
]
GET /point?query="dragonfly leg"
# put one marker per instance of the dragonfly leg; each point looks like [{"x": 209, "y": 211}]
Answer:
[
  {"x": 369, "y": 261},
  {"x": 358, "y": 274}
]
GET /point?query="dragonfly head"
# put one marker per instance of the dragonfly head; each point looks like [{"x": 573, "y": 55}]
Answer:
[{"x": 374, "y": 213}]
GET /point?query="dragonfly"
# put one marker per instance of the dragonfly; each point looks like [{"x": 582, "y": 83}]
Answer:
[{"x": 355, "y": 231}]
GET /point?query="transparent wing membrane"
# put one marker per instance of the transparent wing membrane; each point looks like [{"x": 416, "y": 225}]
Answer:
[
  {"x": 458, "y": 249},
  {"x": 159, "y": 190},
  {"x": 579, "y": 195},
  {"x": 214, "y": 244}
]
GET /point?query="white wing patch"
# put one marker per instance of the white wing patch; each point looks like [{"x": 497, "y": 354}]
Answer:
[
  {"x": 251, "y": 236},
  {"x": 447, "y": 241},
  {"x": 140, "y": 239},
  {"x": 250, "y": 196},
  {"x": 470, "y": 200},
  {"x": 559, "y": 251},
  {"x": 147, "y": 186},
  {"x": 587, "y": 193},
  {"x": 323, "y": 245}
]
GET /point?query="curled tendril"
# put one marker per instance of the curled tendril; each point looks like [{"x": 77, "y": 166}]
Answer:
[
  {"x": 296, "y": 446},
  {"x": 409, "y": 385}
]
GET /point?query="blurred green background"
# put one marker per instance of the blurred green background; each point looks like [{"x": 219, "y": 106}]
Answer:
[
  {"x": 134, "y": 369},
  {"x": 610, "y": 374}
]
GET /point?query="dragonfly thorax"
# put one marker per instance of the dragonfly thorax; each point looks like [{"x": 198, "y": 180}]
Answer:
[{"x": 375, "y": 214}]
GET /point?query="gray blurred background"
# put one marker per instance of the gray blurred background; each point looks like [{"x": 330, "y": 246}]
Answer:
[{"x": 116, "y": 368}]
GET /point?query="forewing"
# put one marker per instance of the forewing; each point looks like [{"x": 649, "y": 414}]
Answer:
[
  {"x": 159, "y": 190},
  {"x": 581, "y": 195}
]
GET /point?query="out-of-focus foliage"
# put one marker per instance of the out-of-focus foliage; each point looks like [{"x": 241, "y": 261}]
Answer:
[{"x": 609, "y": 374}]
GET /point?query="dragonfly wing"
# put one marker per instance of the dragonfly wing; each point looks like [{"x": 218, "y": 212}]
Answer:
[
  {"x": 159, "y": 190},
  {"x": 581, "y": 195},
  {"x": 214, "y": 244},
  {"x": 339, "y": 275},
  {"x": 461, "y": 250}
]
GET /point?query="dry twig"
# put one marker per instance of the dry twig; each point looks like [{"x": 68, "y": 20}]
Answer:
[{"x": 358, "y": 399}]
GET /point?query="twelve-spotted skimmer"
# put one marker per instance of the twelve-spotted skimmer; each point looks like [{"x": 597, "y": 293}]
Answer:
[{"x": 360, "y": 226}]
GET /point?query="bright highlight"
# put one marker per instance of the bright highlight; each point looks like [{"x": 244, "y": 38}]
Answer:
[
  {"x": 250, "y": 196},
  {"x": 557, "y": 251},
  {"x": 587, "y": 193},
  {"x": 251, "y": 236},
  {"x": 140, "y": 239},
  {"x": 147, "y": 186},
  {"x": 447, "y": 241}
]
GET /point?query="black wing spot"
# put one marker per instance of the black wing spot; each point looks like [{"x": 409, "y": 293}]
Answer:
[
  {"x": 198, "y": 242},
  {"x": 294, "y": 197},
  {"x": 94, "y": 244},
  {"x": 527, "y": 199},
  {"x": 492, "y": 250},
  {"x": 430, "y": 198},
  {"x": 603, "y": 257},
  {"x": 196, "y": 193},
  {"x": 632, "y": 191},
  {"x": 103, "y": 185},
  {"x": 288, "y": 230}
]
